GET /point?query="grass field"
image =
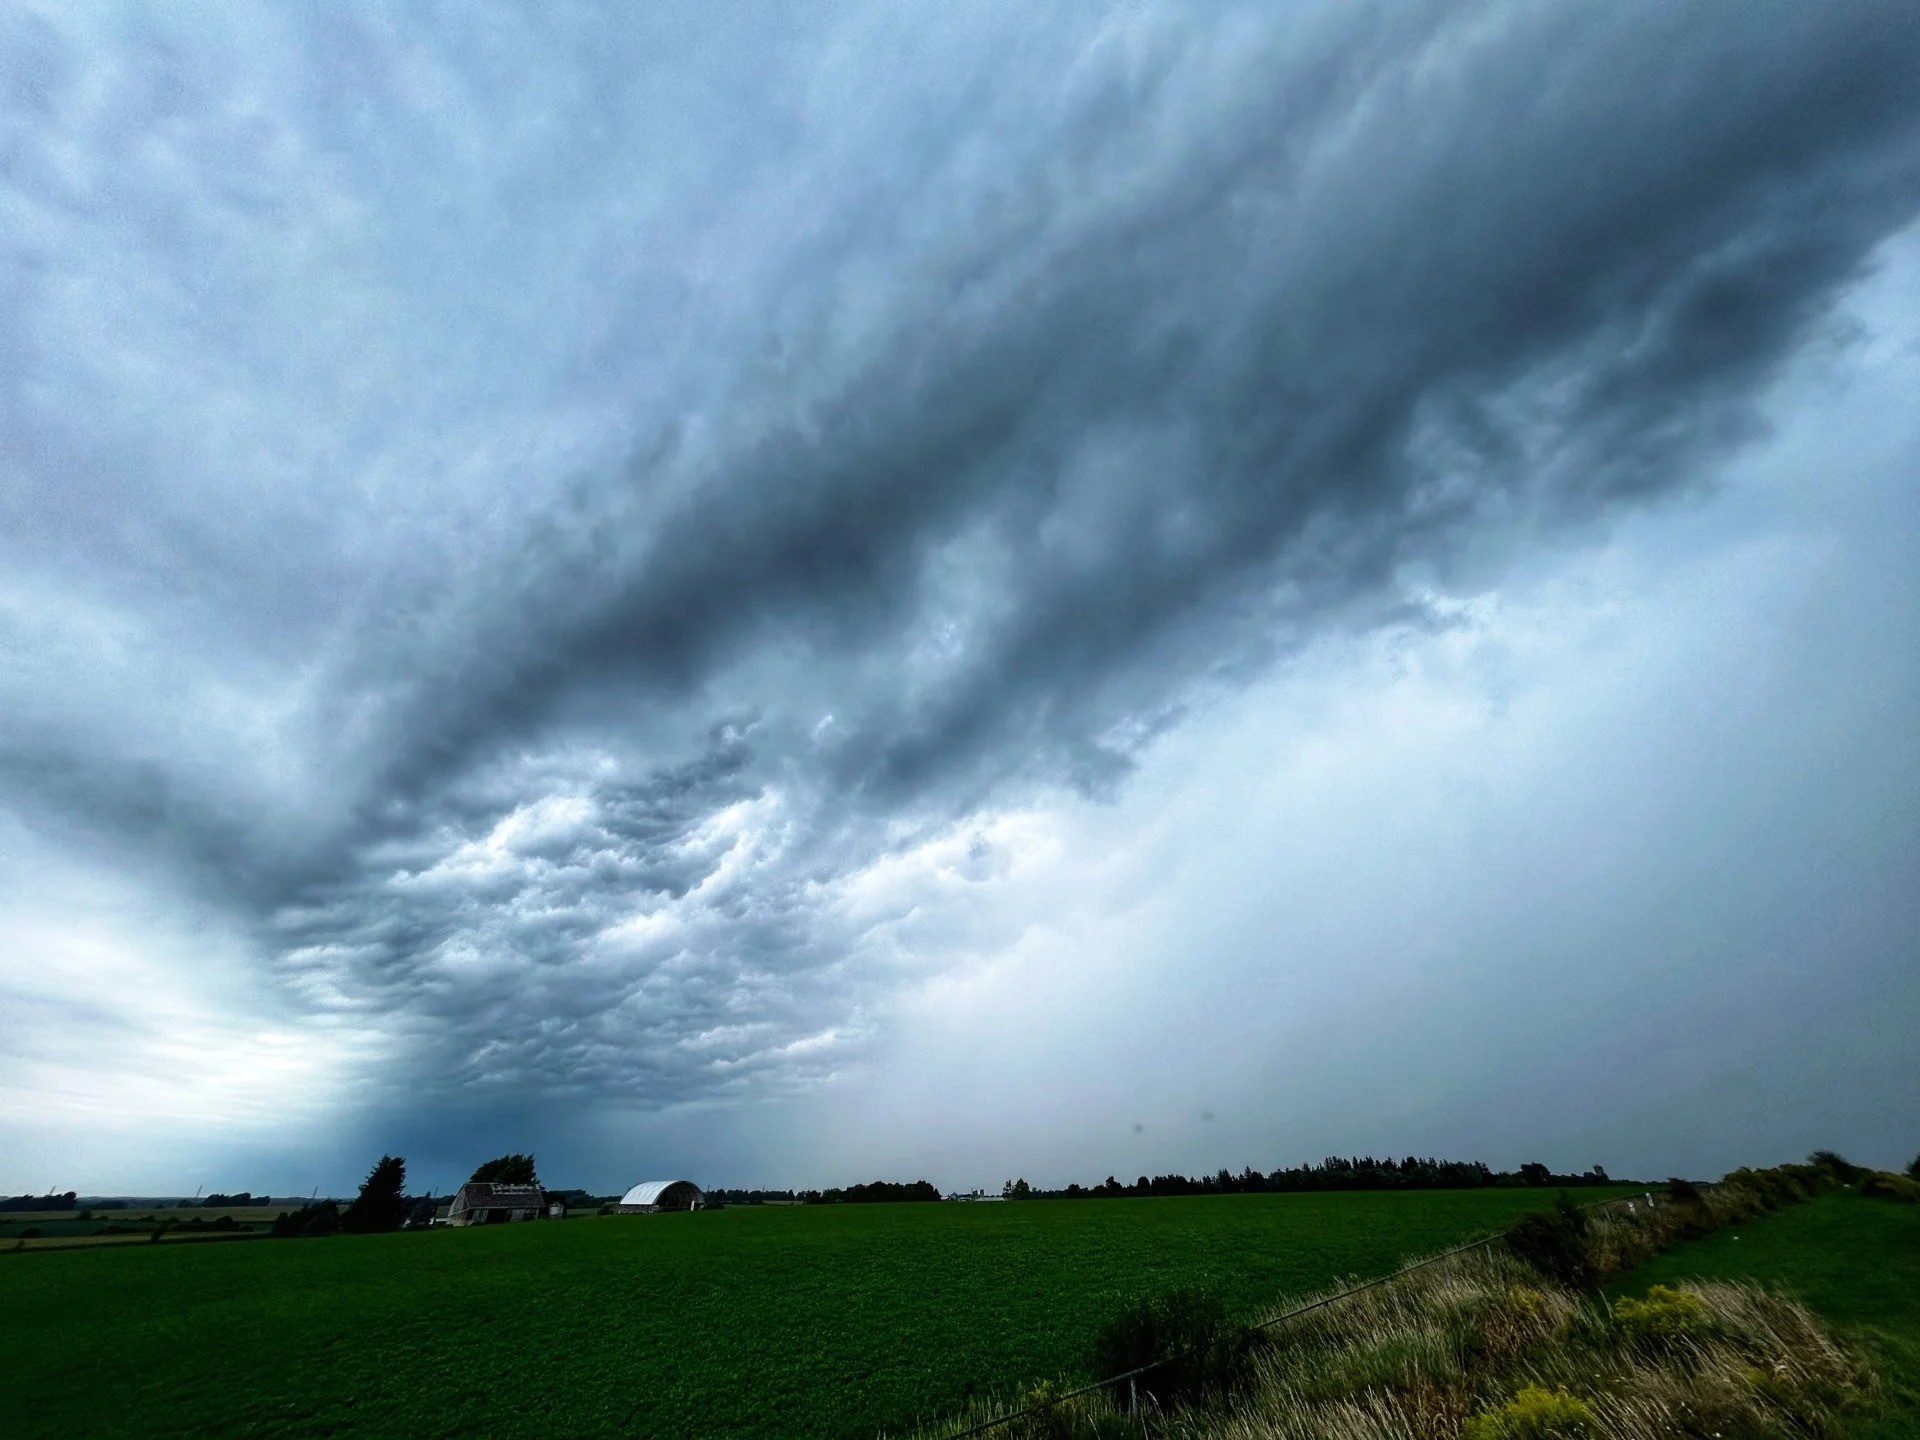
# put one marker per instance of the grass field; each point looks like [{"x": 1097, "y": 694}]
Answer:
[
  {"x": 1856, "y": 1261},
  {"x": 819, "y": 1321}
]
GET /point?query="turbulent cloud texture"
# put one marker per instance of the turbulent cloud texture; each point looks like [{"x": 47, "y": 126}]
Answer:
[{"x": 573, "y": 536}]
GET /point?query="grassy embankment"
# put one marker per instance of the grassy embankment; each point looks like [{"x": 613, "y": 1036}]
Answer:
[
  {"x": 1491, "y": 1346},
  {"x": 1855, "y": 1260},
  {"x": 829, "y": 1321}
]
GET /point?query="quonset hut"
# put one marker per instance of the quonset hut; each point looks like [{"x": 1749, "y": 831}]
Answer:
[{"x": 650, "y": 1196}]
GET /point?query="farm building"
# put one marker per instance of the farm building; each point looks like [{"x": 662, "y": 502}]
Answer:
[
  {"x": 480, "y": 1203},
  {"x": 650, "y": 1196}
]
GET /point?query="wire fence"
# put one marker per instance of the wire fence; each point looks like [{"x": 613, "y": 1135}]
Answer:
[{"x": 1131, "y": 1377}]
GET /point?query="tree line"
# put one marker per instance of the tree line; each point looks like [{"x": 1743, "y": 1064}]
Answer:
[
  {"x": 1336, "y": 1172},
  {"x": 871, "y": 1193},
  {"x": 69, "y": 1201}
]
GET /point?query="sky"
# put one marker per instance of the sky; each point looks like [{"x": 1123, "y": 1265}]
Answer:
[{"x": 793, "y": 594}]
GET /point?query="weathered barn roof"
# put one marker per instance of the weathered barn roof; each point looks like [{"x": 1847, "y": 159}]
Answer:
[
  {"x": 484, "y": 1195},
  {"x": 649, "y": 1192}
]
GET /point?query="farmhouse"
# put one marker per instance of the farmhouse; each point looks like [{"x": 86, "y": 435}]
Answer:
[
  {"x": 650, "y": 1196},
  {"x": 480, "y": 1203}
]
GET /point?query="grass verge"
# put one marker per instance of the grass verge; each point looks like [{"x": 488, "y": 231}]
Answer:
[
  {"x": 1855, "y": 1260},
  {"x": 1515, "y": 1343}
]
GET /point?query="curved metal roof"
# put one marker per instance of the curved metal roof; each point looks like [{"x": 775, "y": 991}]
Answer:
[{"x": 648, "y": 1192}]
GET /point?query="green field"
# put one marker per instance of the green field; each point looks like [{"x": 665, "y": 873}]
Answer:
[
  {"x": 1856, "y": 1261},
  {"x": 827, "y": 1321}
]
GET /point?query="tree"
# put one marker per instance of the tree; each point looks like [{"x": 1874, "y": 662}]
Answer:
[
  {"x": 381, "y": 1204},
  {"x": 1534, "y": 1173},
  {"x": 321, "y": 1219},
  {"x": 1841, "y": 1168},
  {"x": 1913, "y": 1170},
  {"x": 507, "y": 1170}
]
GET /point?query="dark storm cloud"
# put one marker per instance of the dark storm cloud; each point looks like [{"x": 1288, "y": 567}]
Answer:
[
  {"x": 592, "y": 618},
  {"x": 1539, "y": 266}
]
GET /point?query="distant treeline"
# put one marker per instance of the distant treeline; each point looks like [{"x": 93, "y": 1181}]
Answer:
[
  {"x": 68, "y": 1201},
  {"x": 874, "y": 1192},
  {"x": 1359, "y": 1172}
]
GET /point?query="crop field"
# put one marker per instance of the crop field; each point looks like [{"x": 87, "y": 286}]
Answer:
[
  {"x": 816, "y": 1321},
  {"x": 1855, "y": 1260}
]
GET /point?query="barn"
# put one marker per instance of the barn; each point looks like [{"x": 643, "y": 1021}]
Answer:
[
  {"x": 651, "y": 1196},
  {"x": 479, "y": 1203}
]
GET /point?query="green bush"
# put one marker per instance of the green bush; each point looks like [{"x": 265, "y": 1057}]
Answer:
[
  {"x": 1533, "y": 1414},
  {"x": 1684, "y": 1192},
  {"x": 1665, "y": 1316},
  {"x": 1775, "y": 1188},
  {"x": 1893, "y": 1187},
  {"x": 1838, "y": 1166},
  {"x": 1185, "y": 1336},
  {"x": 1554, "y": 1242}
]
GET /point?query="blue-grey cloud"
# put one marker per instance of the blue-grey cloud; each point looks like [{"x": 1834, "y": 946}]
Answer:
[{"x": 523, "y": 516}]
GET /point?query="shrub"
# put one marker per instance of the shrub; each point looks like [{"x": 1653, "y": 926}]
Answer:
[
  {"x": 1893, "y": 1187},
  {"x": 1554, "y": 1242},
  {"x": 325, "y": 1219},
  {"x": 1838, "y": 1166},
  {"x": 1045, "y": 1419},
  {"x": 1684, "y": 1192},
  {"x": 322, "y": 1219},
  {"x": 1533, "y": 1414},
  {"x": 1666, "y": 1315},
  {"x": 1774, "y": 1188},
  {"x": 1697, "y": 1217},
  {"x": 1185, "y": 1336},
  {"x": 32, "y": 1232}
]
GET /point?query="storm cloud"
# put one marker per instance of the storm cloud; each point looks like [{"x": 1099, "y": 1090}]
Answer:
[{"x": 574, "y": 542}]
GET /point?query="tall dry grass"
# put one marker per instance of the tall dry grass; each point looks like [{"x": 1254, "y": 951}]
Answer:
[{"x": 1482, "y": 1346}]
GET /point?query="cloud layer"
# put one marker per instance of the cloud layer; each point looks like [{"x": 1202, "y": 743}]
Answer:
[{"x": 539, "y": 526}]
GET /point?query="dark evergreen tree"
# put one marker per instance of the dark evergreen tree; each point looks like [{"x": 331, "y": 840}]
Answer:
[{"x": 382, "y": 1203}]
